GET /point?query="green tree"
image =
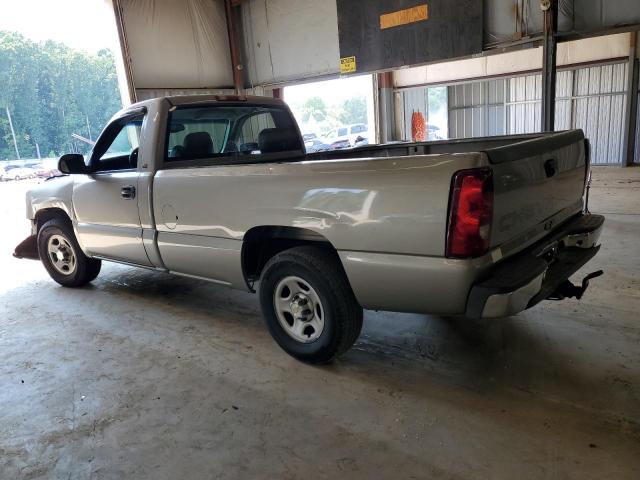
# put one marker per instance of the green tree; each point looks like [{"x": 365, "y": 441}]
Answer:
[
  {"x": 314, "y": 107},
  {"x": 354, "y": 110},
  {"x": 53, "y": 91}
]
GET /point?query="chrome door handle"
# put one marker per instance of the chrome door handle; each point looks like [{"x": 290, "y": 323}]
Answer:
[{"x": 128, "y": 192}]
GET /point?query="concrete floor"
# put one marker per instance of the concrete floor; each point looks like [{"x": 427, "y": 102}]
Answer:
[{"x": 144, "y": 375}]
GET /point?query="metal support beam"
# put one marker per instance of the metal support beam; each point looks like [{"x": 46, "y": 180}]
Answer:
[
  {"x": 631, "y": 107},
  {"x": 124, "y": 47},
  {"x": 230, "y": 7},
  {"x": 386, "y": 107},
  {"x": 549, "y": 53}
]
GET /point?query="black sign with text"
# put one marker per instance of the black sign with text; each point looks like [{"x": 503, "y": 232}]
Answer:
[{"x": 384, "y": 34}]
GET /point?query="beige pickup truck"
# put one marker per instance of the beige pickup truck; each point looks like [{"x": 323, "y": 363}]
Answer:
[{"x": 220, "y": 188}]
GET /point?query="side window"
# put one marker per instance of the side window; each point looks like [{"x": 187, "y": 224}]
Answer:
[
  {"x": 117, "y": 149},
  {"x": 358, "y": 128},
  {"x": 342, "y": 132},
  {"x": 125, "y": 142}
]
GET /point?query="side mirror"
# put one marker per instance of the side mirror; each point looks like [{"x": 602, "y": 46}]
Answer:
[{"x": 72, "y": 163}]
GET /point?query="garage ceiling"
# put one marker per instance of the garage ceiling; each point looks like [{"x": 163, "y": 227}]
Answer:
[
  {"x": 176, "y": 44},
  {"x": 183, "y": 45},
  {"x": 505, "y": 20},
  {"x": 287, "y": 40}
]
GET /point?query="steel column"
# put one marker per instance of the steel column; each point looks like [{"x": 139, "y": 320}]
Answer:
[
  {"x": 386, "y": 107},
  {"x": 631, "y": 107},
  {"x": 549, "y": 53},
  {"x": 124, "y": 47},
  {"x": 234, "y": 47}
]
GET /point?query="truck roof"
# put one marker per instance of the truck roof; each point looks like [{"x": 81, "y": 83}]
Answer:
[
  {"x": 189, "y": 99},
  {"x": 195, "y": 99}
]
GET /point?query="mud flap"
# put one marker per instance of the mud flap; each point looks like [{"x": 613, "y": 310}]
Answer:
[{"x": 28, "y": 248}]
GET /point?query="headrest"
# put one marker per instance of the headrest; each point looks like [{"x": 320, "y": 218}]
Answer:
[
  {"x": 278, "y": 140},
  {"x": 197, "y": 144}
]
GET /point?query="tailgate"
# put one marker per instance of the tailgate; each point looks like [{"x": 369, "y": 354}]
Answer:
[{"x": 538, "y": 184}]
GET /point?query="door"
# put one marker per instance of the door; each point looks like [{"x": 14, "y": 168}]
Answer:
[
  {"x": 200, "y": 231},
  {"x": 106, "y": 200}
]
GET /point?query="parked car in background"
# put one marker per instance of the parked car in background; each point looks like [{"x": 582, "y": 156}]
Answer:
[
  {"x": 340, "y": 144},
  {"x": 433, "y": 133},
  {"x": 19, "y": 173},
  {"x": 309, "y": 136},
  {"x": 345, "y": 137},
  {"x": 361, "y": 142},
  {"x": 316, "y": 145},
  {"x": 43, "y": 171},
  {"x": 5, "y": 169}
]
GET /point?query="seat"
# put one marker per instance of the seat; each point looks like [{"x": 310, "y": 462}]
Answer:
[
  {"x": 249, "y": 147},
  {"x": 197, "y": 145},
  {"x": 176, "y": 152},
  {"x": 272, "y": 140}
]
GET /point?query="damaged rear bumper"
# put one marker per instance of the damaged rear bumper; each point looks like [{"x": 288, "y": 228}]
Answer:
[
  {"x": 28, "y": 248},
  {"x": 541, "y": 272}
]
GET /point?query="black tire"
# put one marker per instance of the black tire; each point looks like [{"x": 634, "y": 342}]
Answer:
[
  {"x": 86, "y": 269},
  {"x": 342, "y": 315}
]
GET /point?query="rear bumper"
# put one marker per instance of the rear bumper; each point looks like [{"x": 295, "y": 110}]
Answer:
[{"x": 532, "y": 276}]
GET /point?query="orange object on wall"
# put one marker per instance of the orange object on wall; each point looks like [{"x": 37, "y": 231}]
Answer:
[{"x": 418, "y": 127}]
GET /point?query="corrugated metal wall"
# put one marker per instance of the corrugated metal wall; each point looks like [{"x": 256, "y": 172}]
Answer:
[
  {"x": 590, "y": 98},
  {"x": 598, "y": 108},
  {"x": 477, "y": 109},
  {"x": 637, "y": 156}
]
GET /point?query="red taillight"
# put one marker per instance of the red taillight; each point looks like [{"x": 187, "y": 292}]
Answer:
[{"x": 470, "y": 213}]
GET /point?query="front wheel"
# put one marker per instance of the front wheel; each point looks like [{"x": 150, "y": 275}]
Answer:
[
  {"x": 61, "y": 255},
  {"x": 308, "y": 304}
]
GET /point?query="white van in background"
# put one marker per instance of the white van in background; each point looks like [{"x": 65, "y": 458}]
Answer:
[{"x": 347, "y": 136}]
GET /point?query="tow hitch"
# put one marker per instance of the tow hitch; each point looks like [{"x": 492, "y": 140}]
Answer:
[{"x": 568, "y": 290}]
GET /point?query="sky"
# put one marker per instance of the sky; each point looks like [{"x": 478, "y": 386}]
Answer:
[{"x": 81, "y": 24}]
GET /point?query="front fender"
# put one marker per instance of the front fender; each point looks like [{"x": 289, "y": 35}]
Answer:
[{"x": 51, "y": 194}]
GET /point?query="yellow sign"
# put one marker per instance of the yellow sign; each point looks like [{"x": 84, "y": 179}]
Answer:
[
  {"x": 347, "y": 64},
  {"x": 404, "y": 17}
]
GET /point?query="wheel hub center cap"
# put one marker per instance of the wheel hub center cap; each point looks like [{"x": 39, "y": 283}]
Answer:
[{"x": 301, "y": 307}]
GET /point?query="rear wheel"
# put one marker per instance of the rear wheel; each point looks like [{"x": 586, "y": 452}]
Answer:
[
  {"x": 308, "y": 304},
  {"x": 62, "y": 256}
]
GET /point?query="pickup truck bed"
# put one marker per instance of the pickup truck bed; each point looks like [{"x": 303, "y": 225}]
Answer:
[{"x": 221, "y": 189}]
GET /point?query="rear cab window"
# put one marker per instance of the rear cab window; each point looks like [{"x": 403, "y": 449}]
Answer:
[{"x": 224, "y": 133}]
